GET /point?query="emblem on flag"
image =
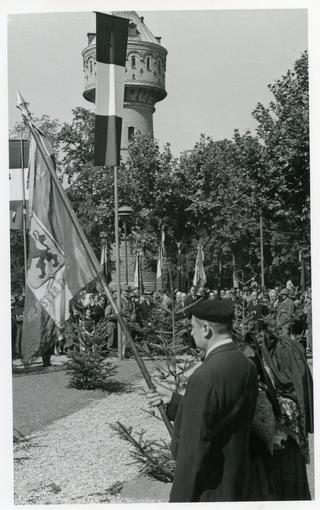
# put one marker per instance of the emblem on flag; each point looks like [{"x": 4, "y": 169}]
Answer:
[{"x": 45, "y": 256}]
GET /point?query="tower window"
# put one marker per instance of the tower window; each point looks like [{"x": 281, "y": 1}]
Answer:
[
  {"x": 130, "y": 132},
  {"x": 133, "y": 62},
  {"x": 133, "y": 76},
  {"x": 159, "y": 66},
  {"x": 90, "y": 66},
  {"x": 148, "y": 63}
]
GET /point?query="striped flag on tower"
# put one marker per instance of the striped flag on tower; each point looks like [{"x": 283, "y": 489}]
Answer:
[{"x": 111, "y": 52}]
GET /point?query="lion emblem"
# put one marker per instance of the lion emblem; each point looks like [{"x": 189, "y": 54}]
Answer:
[{"x": 45, "y": 258}]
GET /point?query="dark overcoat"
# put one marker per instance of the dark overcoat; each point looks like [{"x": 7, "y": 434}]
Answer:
[{"x": 213, "y": 464}]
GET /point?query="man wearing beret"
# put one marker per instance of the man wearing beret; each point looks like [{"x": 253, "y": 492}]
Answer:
[{"x": 212, "y": 420}]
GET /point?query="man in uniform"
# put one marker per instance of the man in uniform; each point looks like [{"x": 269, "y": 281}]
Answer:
[{"x": 212, "y": 420}]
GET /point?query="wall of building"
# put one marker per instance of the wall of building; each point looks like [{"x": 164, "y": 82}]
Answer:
[
  {"x": 149, "y": 277},
  {"x": 140, "y": 119}
]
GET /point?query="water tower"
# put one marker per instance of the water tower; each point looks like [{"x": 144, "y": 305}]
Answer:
[{"x": 144, "y": 77}]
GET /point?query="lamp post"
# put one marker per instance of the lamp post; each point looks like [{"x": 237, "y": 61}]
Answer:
[{"x": 125, "y": 213}]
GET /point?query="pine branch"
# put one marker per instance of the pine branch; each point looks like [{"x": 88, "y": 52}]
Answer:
[{"x": 154, "y": 457}]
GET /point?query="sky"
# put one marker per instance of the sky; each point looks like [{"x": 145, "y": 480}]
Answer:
[{"x": 219, "y": 64}]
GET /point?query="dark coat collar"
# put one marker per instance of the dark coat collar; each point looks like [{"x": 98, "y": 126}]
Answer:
[{"x": 225, "y": 347}]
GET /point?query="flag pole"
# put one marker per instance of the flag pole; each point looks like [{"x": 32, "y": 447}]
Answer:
[
  {"x": 95, "y": 264},
  {"x": 24, "y": 210},
  {"x": 116, "y": 233},
  {"x": 261, "y": 250}
]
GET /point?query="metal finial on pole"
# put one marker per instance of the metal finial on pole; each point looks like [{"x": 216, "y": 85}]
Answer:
[{"x": 23, "y": 106}]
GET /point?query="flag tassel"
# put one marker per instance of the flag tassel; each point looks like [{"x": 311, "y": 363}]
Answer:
[{"x": 93, "y": 260}]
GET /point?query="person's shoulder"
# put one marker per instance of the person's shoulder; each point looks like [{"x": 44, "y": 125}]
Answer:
[{"x": 227, "y": 361}]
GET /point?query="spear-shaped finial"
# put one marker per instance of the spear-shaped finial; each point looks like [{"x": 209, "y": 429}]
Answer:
[{"x": 22, "y": 105}]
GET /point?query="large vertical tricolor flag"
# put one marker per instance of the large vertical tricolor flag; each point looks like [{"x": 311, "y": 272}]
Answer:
[
  {"x": 111, "y": 52},
  {"x": 58, "y": 266},
  {"x": 199, "y": 273}
]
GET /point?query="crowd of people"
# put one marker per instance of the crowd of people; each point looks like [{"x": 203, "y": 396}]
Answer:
[
  {"x": 289, "y": 308},
  {"x": 276, "y": 327}
]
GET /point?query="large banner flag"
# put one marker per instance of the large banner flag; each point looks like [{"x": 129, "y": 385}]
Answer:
[
  {"x": 199, "y": 274},
  {"x": 138, "y": 278},
  {"x": 58, "y": 266},
  {"x": 18, "y": 163},
  {"x": 111, "y": 52}
]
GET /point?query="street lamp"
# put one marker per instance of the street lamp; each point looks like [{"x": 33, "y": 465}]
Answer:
[{"x": 125, "y": 212}]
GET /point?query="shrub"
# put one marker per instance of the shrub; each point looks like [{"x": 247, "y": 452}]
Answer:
[{"x": 88, "y": 367}]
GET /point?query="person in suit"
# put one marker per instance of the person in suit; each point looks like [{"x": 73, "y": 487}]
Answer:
[
  {"x": 212, "y": 419},
  {"x": 190, "y": 299},
  {"x": 145, "y": 309}
]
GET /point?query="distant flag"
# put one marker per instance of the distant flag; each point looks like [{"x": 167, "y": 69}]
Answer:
[
  {"x": 16, "y": 175},
  {"x": 105, "y": 261},
  {"x": 111, "y": 52},
  {"x": 161, "y": 264},
  {"x": 138, "y": 278},
  {"x": 234, "y": 276},
  {"x": 303, "y": 271},
  {"x": 57, "y": 263},
  {"x": 199, "y": 274}
]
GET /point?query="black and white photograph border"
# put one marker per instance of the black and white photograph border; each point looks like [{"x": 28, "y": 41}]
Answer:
[{"x": 61, "y": 436}]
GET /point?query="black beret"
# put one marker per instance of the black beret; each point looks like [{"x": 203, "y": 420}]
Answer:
[{"x": 213, "y": 311}]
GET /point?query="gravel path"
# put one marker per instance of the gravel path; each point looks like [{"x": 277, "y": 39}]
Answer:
[
  {"x": 41, "y": 398},
  {"x": 78, "y": 458}
]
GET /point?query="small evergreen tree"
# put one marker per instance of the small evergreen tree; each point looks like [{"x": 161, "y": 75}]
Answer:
[{"x": 88, "y": 367}]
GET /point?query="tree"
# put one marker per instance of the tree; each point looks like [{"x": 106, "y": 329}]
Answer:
[
  {"x": 214, "y": 192},
  {"x": 50, "y": 128},
  {"x": 283, "y": 128},
  {"x": 220, "y": 209},
  {"x": 77, "y": 143}
]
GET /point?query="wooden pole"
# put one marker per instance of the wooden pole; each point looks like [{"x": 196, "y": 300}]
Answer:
[
  {"x": 24, "y": 210},
  {"x": 95, "y": 264},
  {"x": 116, "y": 233},
  {"x": 126, "y": 251},
  {"x": 261, "y": 251}
]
